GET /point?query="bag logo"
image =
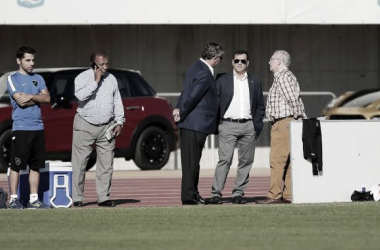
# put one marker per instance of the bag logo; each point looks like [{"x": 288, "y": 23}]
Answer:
[{"x": 30, "y": 3}]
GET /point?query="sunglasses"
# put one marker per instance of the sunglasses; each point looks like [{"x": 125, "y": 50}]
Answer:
[{"x": 243, "y": 61}]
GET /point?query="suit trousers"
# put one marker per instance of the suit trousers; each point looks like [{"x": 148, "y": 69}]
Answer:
[
  {"x": 280, "y": 182},
  {"x": 192, "y": 143},
  {"x": 232, "y": 135},
  {"x": 84, "y": 136}
]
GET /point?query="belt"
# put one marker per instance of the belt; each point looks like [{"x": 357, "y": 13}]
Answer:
[
  {"x": 280, "y": 119},
  {"x": 236, "y": 120},
  {"x": 100, "y": 125},
  {"x": 96, "y": 125}
]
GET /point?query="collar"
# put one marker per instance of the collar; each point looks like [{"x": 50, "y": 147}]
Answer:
[
  {"x": 244, "y": 78},
  {"x": 211, "y": 68},
  {"x": 279, "y": 72}
]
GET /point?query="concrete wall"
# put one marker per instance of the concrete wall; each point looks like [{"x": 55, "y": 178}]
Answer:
[
  {"x": 334, "y": 58},
  {"x": 324, "y": 58}
]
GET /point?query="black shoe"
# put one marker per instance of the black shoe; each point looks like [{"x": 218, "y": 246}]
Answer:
[
  {"x": 238, "y": 200},
  {"x": 215, "y": 200},
  {"x": 194, "y": 202},
  {"x": 107, "y": 203},
  {"x": 200, "y": 198},
  {"x": 78, "y": 204}
]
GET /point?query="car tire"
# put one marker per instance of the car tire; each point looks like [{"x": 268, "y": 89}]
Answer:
[
  {"x": 5, "y": 150},
  {"x": 152, "y": 149}
]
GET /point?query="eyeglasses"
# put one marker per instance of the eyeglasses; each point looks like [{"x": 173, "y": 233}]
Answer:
[{"x": 243, "y": 61}]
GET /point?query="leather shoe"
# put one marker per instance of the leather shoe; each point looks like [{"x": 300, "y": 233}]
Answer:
[
  {"x": 78, "y": 204},
  {"x": 194, "y": 202},
  {"x": 215, "y": 200},
  {"x": 238, "y": 200},
  {"x": 200, "y": 198},
  {"x": 107, "y": 203},
  {"x": 284, "y": 200},
  {"x": 269, "y": 201}
]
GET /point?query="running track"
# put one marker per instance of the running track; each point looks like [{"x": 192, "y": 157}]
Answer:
[{"x": 140, "y": 192}]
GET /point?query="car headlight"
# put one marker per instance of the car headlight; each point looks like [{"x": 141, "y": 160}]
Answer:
[{"x": 331, "y": 104}]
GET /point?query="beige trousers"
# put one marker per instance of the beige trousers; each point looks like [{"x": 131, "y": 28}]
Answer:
[
  {"x": 280, "y": 182},
  {"x": 84, "y": 136}
]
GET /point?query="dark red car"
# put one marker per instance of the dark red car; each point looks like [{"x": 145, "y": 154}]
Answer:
[{"x": 149, "y": 133}]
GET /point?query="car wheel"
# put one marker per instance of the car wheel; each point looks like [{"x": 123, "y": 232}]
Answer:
[
  {"x": 152, "y": 149},
  {"x": 5, "y": 153}
]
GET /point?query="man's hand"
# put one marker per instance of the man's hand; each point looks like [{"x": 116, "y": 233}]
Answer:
[
  {"x": 23, "y": 99},
  {"x": 98, "y": 74},
  {"x": 117, "y": 130},
  {"x": 176, "y": 115}
]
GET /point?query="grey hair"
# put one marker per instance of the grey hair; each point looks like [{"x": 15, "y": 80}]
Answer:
[
  {"x": 284, "y": 57},
  {"x": 212, "y": 50}
]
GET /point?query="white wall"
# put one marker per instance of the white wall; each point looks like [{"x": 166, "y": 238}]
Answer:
[
  {"x": 351, "y": 159},
  {"x": 88, "y": 12}
]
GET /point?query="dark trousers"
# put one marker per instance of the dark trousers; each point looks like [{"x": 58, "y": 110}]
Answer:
[{"x": 192, "y": 143}]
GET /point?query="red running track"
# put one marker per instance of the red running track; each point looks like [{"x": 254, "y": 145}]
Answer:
[{"x": 136, "y": 192}]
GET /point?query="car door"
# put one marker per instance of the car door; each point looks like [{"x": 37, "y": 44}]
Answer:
[
  {"x": 134, "y": 92},
  {"x": 58, "y": 116}
]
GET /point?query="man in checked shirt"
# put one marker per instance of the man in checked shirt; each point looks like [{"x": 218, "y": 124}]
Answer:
[
  {"x": 284, "y": 105},
  {"x": 99, "y": 107}
]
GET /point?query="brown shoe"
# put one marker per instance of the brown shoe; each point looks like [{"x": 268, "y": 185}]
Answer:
[
  {"x": 269, "y": 201},
  {"x": 284, "y": 200}
]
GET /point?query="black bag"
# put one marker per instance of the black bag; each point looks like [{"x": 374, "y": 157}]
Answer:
[
  {"x": 3, "y": 198},
  {"x": 361, "y": 196}
]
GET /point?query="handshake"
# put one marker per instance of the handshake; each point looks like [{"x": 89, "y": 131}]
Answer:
[{"x": 109, "y": 132}]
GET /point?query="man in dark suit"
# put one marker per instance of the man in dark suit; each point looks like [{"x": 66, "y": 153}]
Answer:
[
  {"x": 241, "y": 112},
  {"x": 196, "y": 112}
]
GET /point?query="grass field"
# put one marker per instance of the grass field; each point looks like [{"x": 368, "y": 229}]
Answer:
[{"x": 323, "y": 226}]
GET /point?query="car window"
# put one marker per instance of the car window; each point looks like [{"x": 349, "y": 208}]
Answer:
[
  {"x": 122, "y": 82},
  {"x": 362, "y": 98},
  {"x": 62, "y": 84},
  {"x": 132, "y": 84},
  {"x": 46, "y": 76},
  {"x": 138, "y": 86}
]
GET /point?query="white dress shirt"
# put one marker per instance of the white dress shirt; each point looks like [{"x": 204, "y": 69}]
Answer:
[{"x": 240, "y": 106}]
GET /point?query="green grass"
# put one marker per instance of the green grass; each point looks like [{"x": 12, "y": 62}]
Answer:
[{"x": 323, "y": 226}]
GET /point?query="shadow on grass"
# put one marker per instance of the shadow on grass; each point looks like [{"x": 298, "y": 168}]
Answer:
[
  {"x": 118, "y": 202},
  {"x": 254, "y": 199},
  {"x": 247, "y": 199}
]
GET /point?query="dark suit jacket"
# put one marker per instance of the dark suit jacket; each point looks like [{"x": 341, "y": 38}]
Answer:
[
  {"x": 225, "y": 88},
  {"x": 198, "y": 102}
]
